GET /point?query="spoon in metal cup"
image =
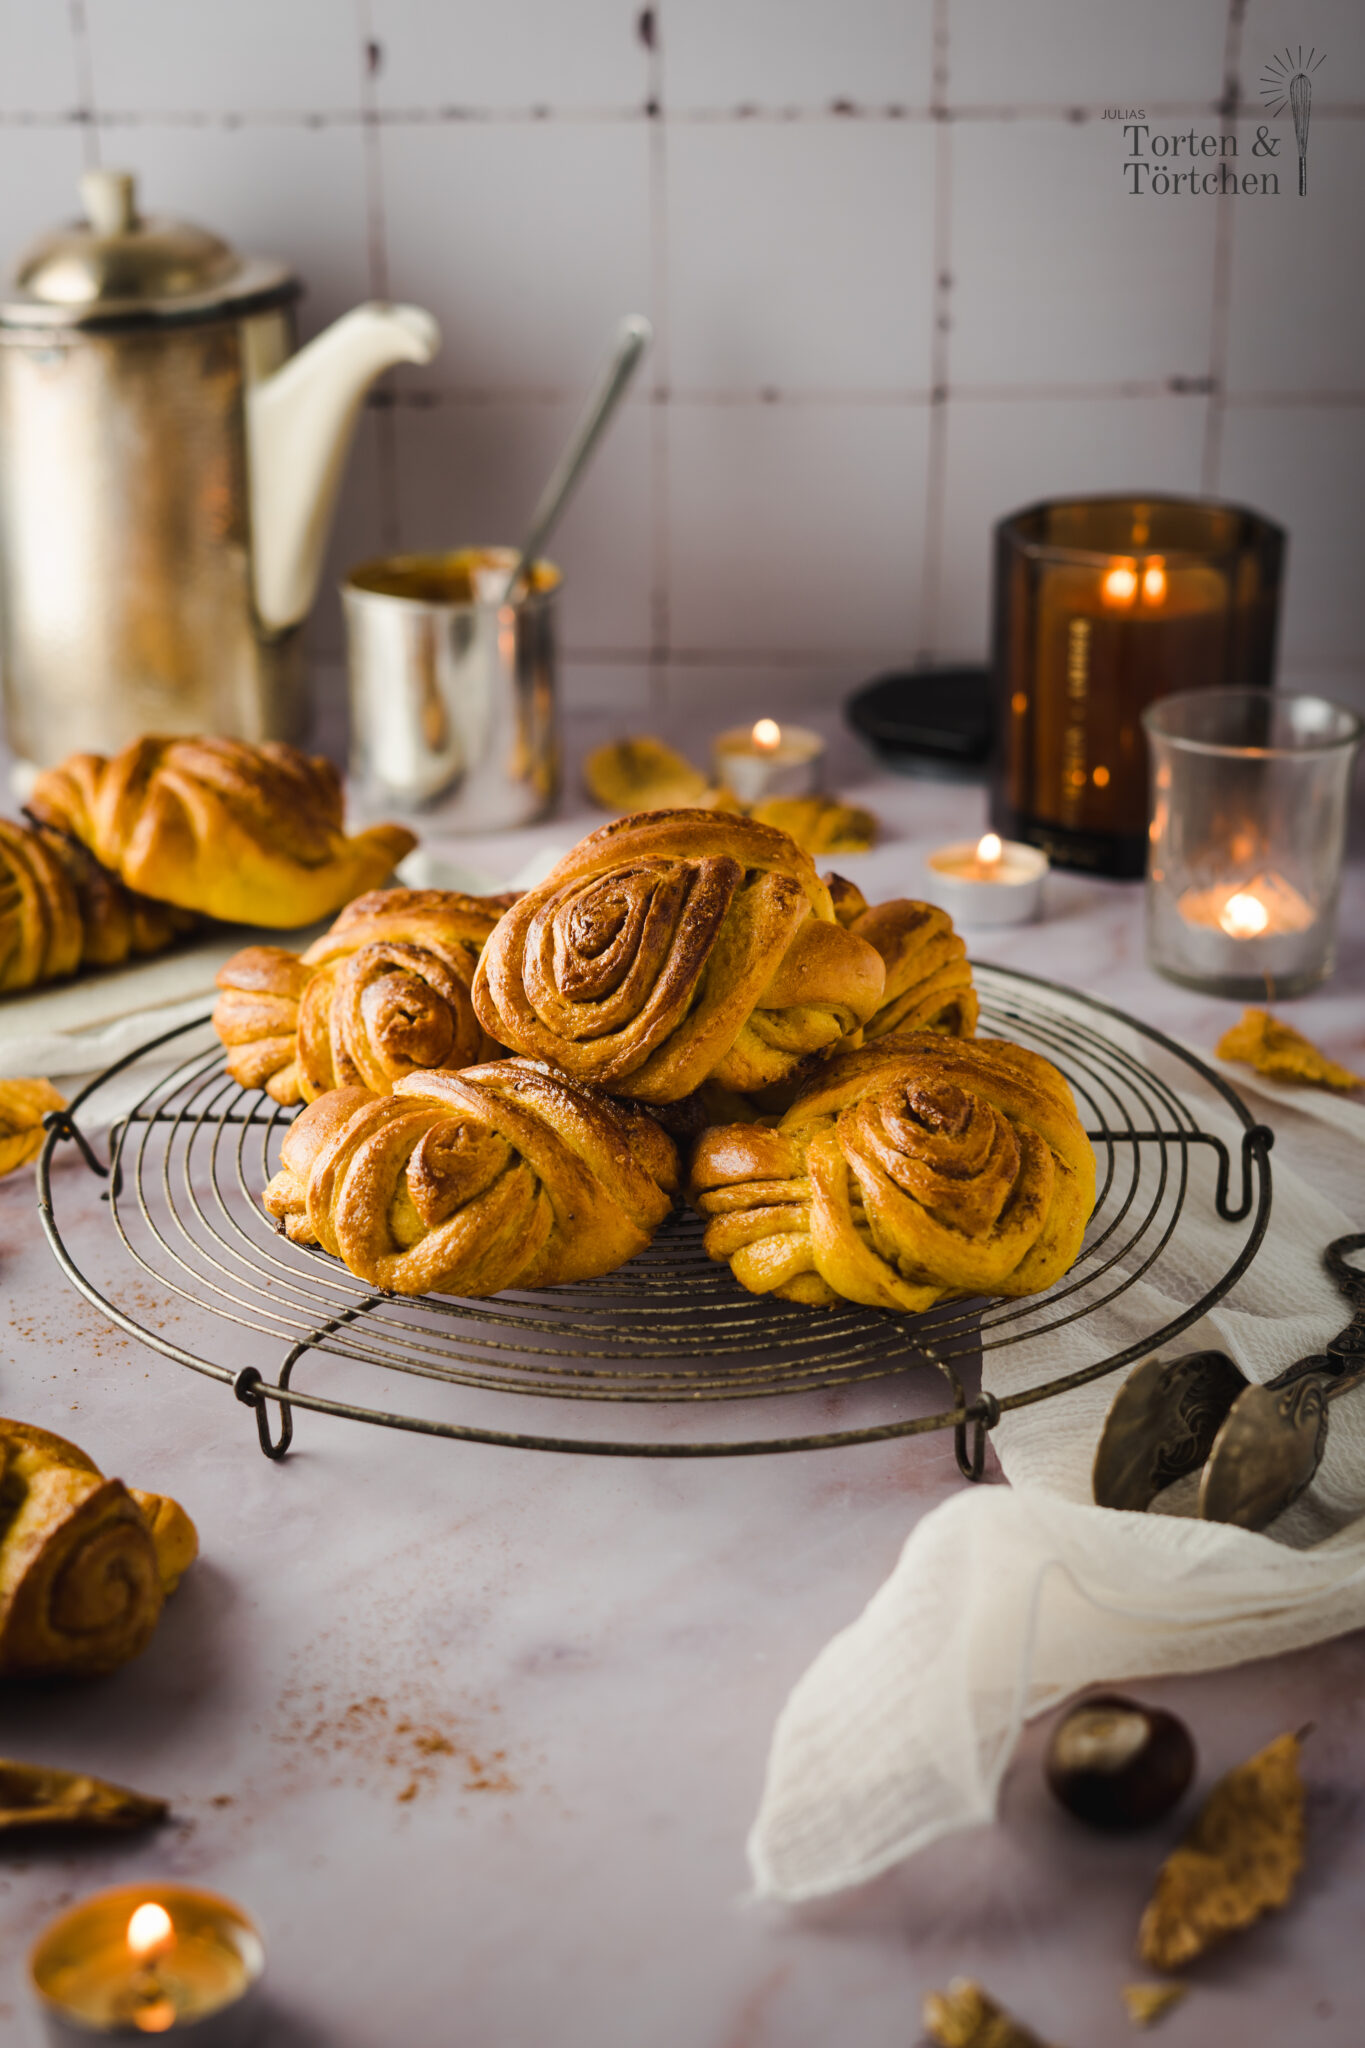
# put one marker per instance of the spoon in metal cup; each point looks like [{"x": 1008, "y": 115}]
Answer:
[
  {"x": 1259, "y": 1445},
  {"x": 632, "y": 339}
]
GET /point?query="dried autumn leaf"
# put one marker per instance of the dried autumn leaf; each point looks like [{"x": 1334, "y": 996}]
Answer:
[
  {"x": 1263, "y": 1042},
  {"x": 1147, "y": 2003},
  {"x": 642, "y": 774},
  {"x": 965, "y": 2016},
  {"x": 821, "y": 824},
  {"x": 23, "y": 1105},
  {"x": 33, "y": 1797},
  {"x": 1238, "y": 1861}
]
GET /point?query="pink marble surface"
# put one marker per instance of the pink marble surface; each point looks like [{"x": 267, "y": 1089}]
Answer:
[{"x": 477, "y": 1734}]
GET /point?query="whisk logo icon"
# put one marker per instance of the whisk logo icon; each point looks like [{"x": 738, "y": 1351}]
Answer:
[{"x": 1287, "y": 81}]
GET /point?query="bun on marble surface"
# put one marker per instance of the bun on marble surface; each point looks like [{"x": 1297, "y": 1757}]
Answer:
[
  {"x": 907, "y": 1172},
  {"x": 61, "y": 911},
  {"x": 41, "y": 935},
  {"x": 505, "y": 1175},
  {"x": 675, "y": 947},
  {"x": 85, "y": 1562},
  {"x": 384, "y": 993},
  {"x": 249, "y": 834}
]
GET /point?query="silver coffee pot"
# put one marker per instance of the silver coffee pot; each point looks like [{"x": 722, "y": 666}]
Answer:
[{"x": 168, "y": 472}]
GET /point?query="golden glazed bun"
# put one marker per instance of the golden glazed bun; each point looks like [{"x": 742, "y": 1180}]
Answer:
[
  {"x": 675, "y": 947},
  {"x": 40, "y": 919},
  {"x": 249, "y": 834},
  {"x": 384, "y": 993},
  {"x": 507, "y": 1175},
  {"x": 928, "y": 975},
  {"x": 60, "y": 910},
  {"x": 117, "y": 925},
  {"x": 85, "y": 1563},
  {"x": 915, "y": 1169}
]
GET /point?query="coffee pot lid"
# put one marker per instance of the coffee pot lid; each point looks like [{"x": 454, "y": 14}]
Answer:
[{"x": 119, "y": 267}]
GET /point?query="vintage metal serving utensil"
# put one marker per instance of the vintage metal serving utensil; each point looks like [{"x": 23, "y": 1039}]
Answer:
[
  {"x": 1259, "y": 1445},
  {"x": 633, "y": 337}
]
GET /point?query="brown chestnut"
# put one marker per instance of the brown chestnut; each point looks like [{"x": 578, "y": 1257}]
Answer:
[{"x": 1119, "y": 1765}]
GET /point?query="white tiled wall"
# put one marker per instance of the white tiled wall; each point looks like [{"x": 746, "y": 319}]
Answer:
[{"x": 897, "y": 283}]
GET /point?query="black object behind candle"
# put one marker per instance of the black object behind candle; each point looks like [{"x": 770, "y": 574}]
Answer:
[{"x": 937, "y": 720}]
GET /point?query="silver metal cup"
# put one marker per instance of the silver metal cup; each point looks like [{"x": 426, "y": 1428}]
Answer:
[{"x": 453, "y": 694}]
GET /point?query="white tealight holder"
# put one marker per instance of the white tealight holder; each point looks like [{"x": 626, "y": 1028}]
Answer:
[
  {"x": 767, "y": 760},
  {"x": 989, "y": 881}
]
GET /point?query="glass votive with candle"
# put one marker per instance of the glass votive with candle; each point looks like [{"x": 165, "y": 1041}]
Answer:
[
  {"x": 767, "y": 759},
  {"x": 149, "y": 1959},
  {"x": 988, "y": 881},
  {"x": 1102, "y": 606},
  {"x": 1249, "y": 795}
]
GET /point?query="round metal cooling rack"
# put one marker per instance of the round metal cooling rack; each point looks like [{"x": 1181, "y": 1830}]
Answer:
[{"x": 667, "y": 1338}]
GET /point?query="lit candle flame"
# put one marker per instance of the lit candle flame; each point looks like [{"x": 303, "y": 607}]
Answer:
[
  {"x": 1154, "y": 581},
  {"x": 767, "y": 735},
  {"x": 989, "y": 849},
  {"x": 150, "y": 1931},
  {"x": 1244, "y": 916},
  {"x": 1120, "y": 585}
]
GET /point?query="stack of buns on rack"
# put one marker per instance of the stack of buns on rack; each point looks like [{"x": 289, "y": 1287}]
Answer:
[
  {"x": 508, "y": 1091},
  {"x": 499, "y": 1090}
]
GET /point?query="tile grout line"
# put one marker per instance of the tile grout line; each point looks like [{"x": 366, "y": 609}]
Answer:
[
  {"x": 647, "y": 26},
  {"x": 940, "y": 300},
  {"x": 818, "y": 662},
  {"x": 429, "y": 398},
  {"x": 377, "y": 267},
  {"x": 456, "y": 117},
  {"x": 1211, "y": 458},
  {"x": 84, "y": 58}
]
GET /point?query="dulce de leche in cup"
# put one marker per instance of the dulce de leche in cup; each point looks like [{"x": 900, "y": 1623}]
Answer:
[{"x": 453, "y": 691}]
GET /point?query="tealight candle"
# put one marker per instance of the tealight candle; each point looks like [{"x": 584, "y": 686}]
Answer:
[
  {"x": 148, "y": 1959},
  {"x": 989, "y": 880},
  {"x": 768, "y": 759}
]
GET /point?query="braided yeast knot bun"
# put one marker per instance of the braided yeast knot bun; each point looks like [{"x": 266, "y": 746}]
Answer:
[
  {"x": 85, "y": 1562},
  {"x": 249, "y": 834},
  {"x": 928, "y": 975},
  {"x": 675, "y": 947},
  {"x": 257, "y": 1018},
  {"x": 40, "y": 922},
  {"x": 506, "y": 1175},
  {"x": 390, "y": 990},
  {"x": 384, "y": 993},
  {"x": 915, "y": 1169},
  {"x": 60, "y": 910}
]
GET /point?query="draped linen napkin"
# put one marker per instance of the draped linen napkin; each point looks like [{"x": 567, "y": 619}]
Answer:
[{"x": 1008, "y": 1598}]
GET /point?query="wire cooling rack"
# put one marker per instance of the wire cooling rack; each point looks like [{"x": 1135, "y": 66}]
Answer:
[{"x": 681, "y": 1362}]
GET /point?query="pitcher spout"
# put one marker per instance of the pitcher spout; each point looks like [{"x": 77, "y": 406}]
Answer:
[{"x": 299, "y": 426}]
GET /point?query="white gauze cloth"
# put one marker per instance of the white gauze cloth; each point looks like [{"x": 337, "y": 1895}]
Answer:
[{"x": 1007, "y": 1598}]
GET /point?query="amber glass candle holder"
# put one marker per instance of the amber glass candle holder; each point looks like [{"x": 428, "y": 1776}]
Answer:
[
  {"x": 1102, "y": 606},
  {"x": 1250, "y": 790}
]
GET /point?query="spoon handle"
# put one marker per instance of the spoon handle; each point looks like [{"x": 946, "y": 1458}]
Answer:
[{"x": 632, "y": 339}]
